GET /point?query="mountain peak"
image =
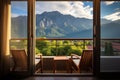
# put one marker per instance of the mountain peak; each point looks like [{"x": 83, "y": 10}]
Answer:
[
  {"x": 55, "y": 12},
  {"x": 51, "y": 13}
]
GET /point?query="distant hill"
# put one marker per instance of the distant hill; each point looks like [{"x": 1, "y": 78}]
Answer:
[
  {"x": 82, "y": 34},
  {"x": 111, "y": 30},
  {"x": 19, "y": 27},
  {"x": 56, "y": 25}
]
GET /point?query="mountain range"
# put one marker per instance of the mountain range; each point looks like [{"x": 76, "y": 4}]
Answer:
[{"x": 56, "y": 25}]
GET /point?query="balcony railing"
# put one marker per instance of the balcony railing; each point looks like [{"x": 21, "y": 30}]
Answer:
[
  {"x": 110, "y": 47},
  {"x": 53, "y": 47},
  {"x": 56, "y": 46}
]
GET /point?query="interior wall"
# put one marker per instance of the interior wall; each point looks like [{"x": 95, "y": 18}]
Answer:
[{"x": 5, "y": 24}]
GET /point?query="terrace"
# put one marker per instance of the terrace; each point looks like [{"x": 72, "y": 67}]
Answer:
[{"x": 49, "y": 48}]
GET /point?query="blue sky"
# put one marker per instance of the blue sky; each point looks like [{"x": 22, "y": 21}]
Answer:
[
  {"x": 18, "y": 8},
  {"x": 109, "y": 10}
]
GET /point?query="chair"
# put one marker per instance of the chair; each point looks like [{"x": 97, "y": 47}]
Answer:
[
  {"x": 48, "y": 65},
  {"x": 83, "y": 63},
  {"x": 20, "y": 61},
  {"x": 39, "y": 64}
]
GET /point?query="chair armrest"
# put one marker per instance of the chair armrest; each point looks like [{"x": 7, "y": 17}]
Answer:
[
  {"x": 74, "y": 56},
  {"x": 39, "y": 64},
  {"x": 39, "y": 56}
]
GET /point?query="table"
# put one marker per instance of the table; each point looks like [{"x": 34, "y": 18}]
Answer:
[{"x": 61, "y": 58}]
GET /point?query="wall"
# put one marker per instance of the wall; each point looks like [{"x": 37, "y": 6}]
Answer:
[{"x": 110, "y": 64}]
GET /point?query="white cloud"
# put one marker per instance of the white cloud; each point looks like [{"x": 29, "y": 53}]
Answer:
[
  {"x": 117, "y": 9},
  {"x": 109, "y": 2},
  {"x": 113, "y": 17},
  {"x": 77, "y": 9},
  {"x": 14, "y": 15}
]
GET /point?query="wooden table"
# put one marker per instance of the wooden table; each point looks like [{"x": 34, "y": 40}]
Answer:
[{"x": 61, "y": 58}]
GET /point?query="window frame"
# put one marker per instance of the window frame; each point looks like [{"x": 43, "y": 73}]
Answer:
[
  {"x": 106, "y": 74},
  {"x": 31, "y": 30},
  {"x": 96, "y": 34}
]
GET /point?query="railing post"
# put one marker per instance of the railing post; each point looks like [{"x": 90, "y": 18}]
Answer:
[
  {"x": 83, "y": 44},
  {"x": 56, "y": 48}
]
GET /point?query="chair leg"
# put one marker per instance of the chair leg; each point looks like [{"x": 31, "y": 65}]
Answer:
[{"x": 70, "y": 65}]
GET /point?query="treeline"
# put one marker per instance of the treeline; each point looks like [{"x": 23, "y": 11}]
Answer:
[
  {"x": 54, "y": 47},
  {"x": 60, "y": 47}
]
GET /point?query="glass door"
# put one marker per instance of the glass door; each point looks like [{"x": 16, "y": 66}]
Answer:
[
  {"x": 19, "y": 41},
  {"x": 62, "y": 28},
  {"x": 110, "y": 36}
]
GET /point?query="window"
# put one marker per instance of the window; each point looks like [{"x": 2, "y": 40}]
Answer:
[
  {"x": 110, "y": 39},
  {"x": 61, "y": 29},
  {"x": 19, "y": 32},
  {"x": 63, "y": 20}
]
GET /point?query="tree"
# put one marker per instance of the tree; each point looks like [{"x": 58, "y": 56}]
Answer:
[
  {"x": 108, "y": 49},
  {"x": 43, "y": 47}
]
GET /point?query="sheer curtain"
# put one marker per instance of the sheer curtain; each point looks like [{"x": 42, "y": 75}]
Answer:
[{"x": 5, "y": 24}]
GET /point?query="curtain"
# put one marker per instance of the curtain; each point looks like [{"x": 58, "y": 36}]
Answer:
[{"x": 5, "y": 24}]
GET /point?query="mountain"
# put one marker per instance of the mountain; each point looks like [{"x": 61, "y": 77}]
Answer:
[
  {"x": 51, "y": 24},
  {"x": 105, "y": 21},
  {"x": 82, "y": 34},
  {"x": 19, "y": 27},
  {"x": 108, "y": 30},
  {"x": 56, "y": 25},
  {"x": 111, "y": 30}
]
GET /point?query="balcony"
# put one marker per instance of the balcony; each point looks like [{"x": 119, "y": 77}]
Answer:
[{"x": 50, "y": 48}]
